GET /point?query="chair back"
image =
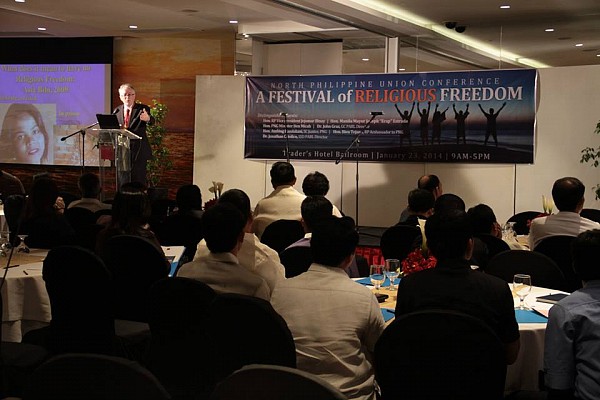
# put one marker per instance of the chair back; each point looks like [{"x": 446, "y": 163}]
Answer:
[
  {"x": 180, "y": 354},
  {"x": 13, "y": 212},
  {"x": 93, "y": 377},
  {"x": 399, "y": 240},
  {"x": 281, "y": 233},
  {"x": 79, "y": 287},
  {"x": 439, "y": 354},
  {"x": 296, "y": 260},
  {"x": 83, "y": 222},
  {"x": 136, "y": 264},
  {"x": 558, "y": 248},
  {"x": 591, "y": 213},
  {"x": 271, "y": 382},
  {"x": 247, "y": 330},
  {"x": 181, "y": 230},
  {"x": 544, "y": 272},
  {"x": 492, "y": 246},
  {"x": 520, "y": 220}
]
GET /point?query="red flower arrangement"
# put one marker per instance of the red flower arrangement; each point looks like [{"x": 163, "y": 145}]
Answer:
[{"x": 418, "y": 260}]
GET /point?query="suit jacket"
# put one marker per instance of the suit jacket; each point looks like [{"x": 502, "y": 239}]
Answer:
[{"x": 140, "y": 149}]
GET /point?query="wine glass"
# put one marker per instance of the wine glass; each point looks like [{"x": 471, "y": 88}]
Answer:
[
  {"x": 22, "y": 246},
  {"x": 392, "y": 266},
  {"x": 522, "y": 287},
  {"x": 508, "y": 231},
  {"x": 377, "y": 276},
  {"x": 4, "y": 243}
]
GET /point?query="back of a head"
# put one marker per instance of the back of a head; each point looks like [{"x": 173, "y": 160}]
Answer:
[
  {"x": 333, "y": 239},
  {"x": 567, "y": 193},
  {"x": 315, "y": 209},
  {"x": 448, "y": 234},
  {"x": 482, "y": 218},
  {"x": 315, "y": 184},
  {"x": 585, "y": 250},
  {"x": 448, "y": 202},
  {"x": 239, "y": 199},
  {"x": 42, "y": 197},
  {"x": 428, "y": 182},
  {"x": 131, "y": 209},
  {"x": 222, "y": 225},
  {"x": 188, "y": 198},
  {"x": 282, "y": 173},
  {"x": 89, "y": 185},
  {"x": 420, "y": 200}
]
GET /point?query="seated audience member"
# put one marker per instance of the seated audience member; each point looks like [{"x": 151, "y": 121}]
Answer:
[
  {"x": 255, "y": 256},
  {"x": 317, "y": 184},
  {"x": 283, "y": 203},
  {"x": 89, "y": 186},
  {"x": 448, "y": 202},
  {"x": 420, "y": 206},
  {"x": 453, "y": 285},
  {"x": 571, "y": 362},
  {"x": 189, "y": 201},
  {"x": 43, "y": 219},
  {"x": 432, "y": 184},
  {"x": 331, "y": 342},
  {"x": 315, "y": 209},
  {"x": 130, "y": 215},
  {"x": 10, "y": 185},
  {"x": 568, "y": 195},
  {"x": 223, "y": 227}
]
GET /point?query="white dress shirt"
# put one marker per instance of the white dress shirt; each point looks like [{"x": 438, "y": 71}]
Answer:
[{"x": 564, "y": 223}]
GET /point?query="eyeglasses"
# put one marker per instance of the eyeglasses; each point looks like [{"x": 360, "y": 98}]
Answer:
[{"x": 128, "y": 94}]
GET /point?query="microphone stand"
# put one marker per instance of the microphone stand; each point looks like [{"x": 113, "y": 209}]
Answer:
[
  {"x": 356, "y": 142},
  {"x": 82, "y": 133},
  {"x": 287, "y": 142}
]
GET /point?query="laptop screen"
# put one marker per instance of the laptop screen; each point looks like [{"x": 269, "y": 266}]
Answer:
[{"x": 108, "y": 121}]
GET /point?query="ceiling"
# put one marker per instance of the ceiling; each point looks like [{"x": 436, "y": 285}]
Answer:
[{"x": 493, "y": 37}]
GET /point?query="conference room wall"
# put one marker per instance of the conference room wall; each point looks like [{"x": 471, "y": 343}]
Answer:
[{"x": 566, "y": 103}]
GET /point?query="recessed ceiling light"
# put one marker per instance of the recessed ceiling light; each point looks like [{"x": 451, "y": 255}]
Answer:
[
  {"x": 133, "y": 26},
  {"x": 549, "y": 30},
  {"x": 597, "y": 55},
  {"x": 401, "y": 69},
  {"x": 579, "y": 45},
  {"x": 41, "y": 28},
  {"x": 505, "y": 7},
  {"x": 233, "y": 21},
  {"x": 246, "y": 35},
  {"x": 365, "y": 59},
  {"x": 19, "y": 1}
]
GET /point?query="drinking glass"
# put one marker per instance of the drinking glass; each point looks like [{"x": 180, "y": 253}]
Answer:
[
  {"x": 22, "y": 246},
  {"x": 4, "y": 243},
  {"x": 522, "y": 287},
  {"x": 392, "y": 268},
  {"x": 377, "y": 276},
  {"x": 508, "y": 231}
]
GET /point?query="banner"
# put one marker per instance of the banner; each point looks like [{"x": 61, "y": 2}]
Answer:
[{"x": 467, "y": 117}]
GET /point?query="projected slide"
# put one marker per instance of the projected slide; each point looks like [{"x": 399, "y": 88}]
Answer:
[{"x": 41, "y": 103}]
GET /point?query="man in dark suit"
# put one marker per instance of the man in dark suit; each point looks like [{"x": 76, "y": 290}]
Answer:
[{"x": 134, "y": 117}]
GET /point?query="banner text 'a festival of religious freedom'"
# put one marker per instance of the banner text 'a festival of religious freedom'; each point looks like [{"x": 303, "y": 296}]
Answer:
[{"x": 472, "y": 117}]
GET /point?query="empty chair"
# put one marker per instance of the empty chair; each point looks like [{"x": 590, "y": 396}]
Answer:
[
  {"x": 270, "y": 382},
  {"x": 591, "y": 213},
  {"x": 439, "y": 354},
  {"x": 79, "y": 289},
  {"x": 281, "y": 233},
  {"x": 399, "y": 240},
  {"x": 296, "y": 260},
  {"x": 247, "y": 330},
  {"x": 520, "y": 219},
  {"x": 558, "y": 248},
  {"x": 544, "y": 272},
  {"x": 180, "y": 354},
  {"x": 93, "y": 377},
  {"x": 136, "y": 264},
  {"x": 493, "y": 246}
]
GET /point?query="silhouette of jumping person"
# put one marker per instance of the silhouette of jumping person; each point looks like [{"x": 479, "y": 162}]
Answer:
[
  {"x": 491, "y": 123},
  {"x": 436, "y": 122},
  {"x": 405, "y": 125},
  {"x": 424, "y": 122},
  {"x": 460, "y": 118}
]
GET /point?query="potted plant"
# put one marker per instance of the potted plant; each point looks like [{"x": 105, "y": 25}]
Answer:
[
  {"x": 161, "y": 157},
  {"x": 592, "y": 155}
]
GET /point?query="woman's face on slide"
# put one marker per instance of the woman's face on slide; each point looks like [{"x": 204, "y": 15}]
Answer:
[{"x": 28, "y": 140}]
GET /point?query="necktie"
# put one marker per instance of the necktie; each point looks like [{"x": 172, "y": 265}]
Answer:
[{"x": 127, "y": 112}]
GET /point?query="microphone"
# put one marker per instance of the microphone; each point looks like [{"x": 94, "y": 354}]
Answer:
[
  {"x": 376, "y": 113},
  {"x": 283, "y": 114}
]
